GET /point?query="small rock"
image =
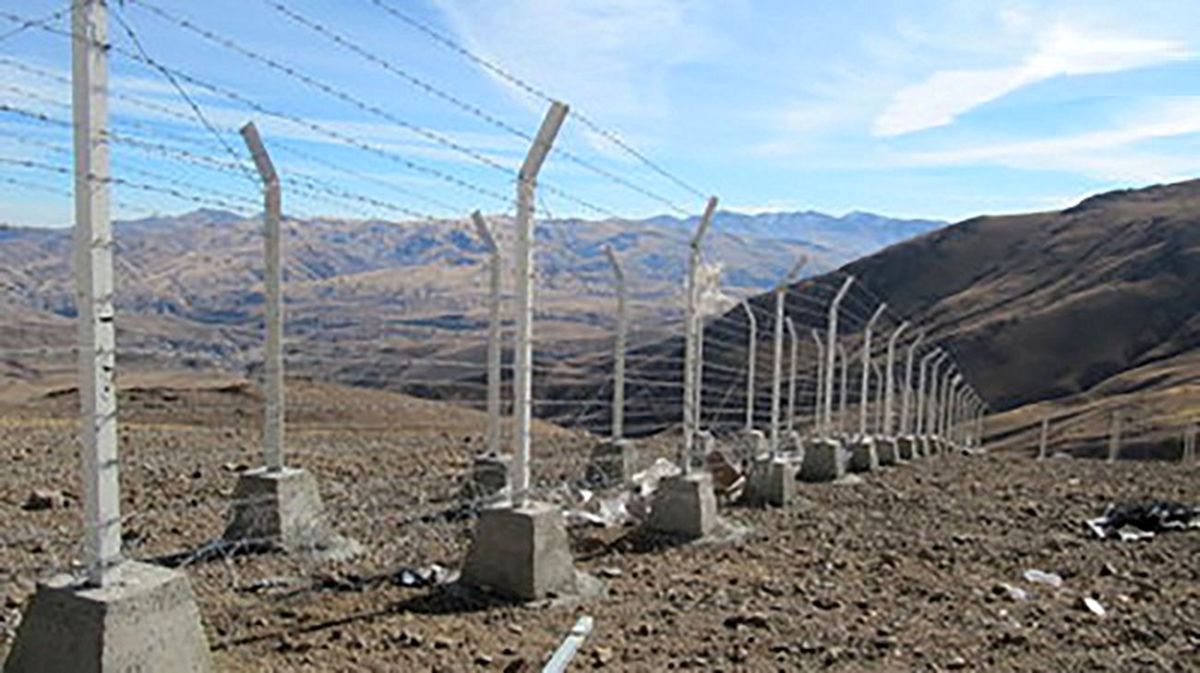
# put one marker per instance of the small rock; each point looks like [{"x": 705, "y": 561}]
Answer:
[
  {"x": 956, "y": 664},
  {"x": 609, "y": 572},
  {"x": 601, "y": 655},
  {"x": 442, "y": 643},
  {"x": 483, "y": 660},
  {"x": 42, "y": 499},
  {"x": 756, "y": 620},
  {"x": 1010, "y": 592}
]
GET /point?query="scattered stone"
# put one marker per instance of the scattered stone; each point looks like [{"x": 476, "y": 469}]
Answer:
[
  {"x": 483, "y": 660},
  {"x": 610, "y": 572},
  {"x": 956, "y": 664},
  {"x": 601, "y": 656},
  {"x": 43, "y": 499},
  {"x": 1010, "y": 592},
  {"x": 756, "y": 620}
]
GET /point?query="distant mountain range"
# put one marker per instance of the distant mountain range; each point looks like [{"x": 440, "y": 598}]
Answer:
[{"x": 191, "y": 285}]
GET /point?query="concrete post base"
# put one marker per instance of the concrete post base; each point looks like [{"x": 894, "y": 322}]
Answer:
[
  {"x": 772, "y": 482},
  {"x": 887, "y": 449},
  {"x": 684, "y": 505},
  {"x": 144, "y": 620},
  {"x": 611, "y": 463},
  {"x": 521, "y": 553},
  {"x": 863, "y": 457},
  {"x": 906, "y": 447},
  {"x": 924, "y": 446},
  {"x": 824, "y": 460},
  {"x": 280, "y": 509}
]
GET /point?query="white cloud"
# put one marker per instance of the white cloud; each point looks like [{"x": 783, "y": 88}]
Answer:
[
  {"x": 610, "y": 57},
  {"x": 1060, "y": 51},
  {"x": 1110, "y": 154}
]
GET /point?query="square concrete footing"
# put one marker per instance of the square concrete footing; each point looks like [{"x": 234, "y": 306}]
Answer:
[
  {"x": 924, "y": 446},
  {"x": 824, "y": 460},
  {"x": 685, "y": 506},
  {"x": 611, "y": 463},
  {"x": 863, "y": 457},
  {"x": 143, "y": 619},
  {"x": 278, "y": 509},
  {"x": 521, "y": 553},
  {"x": 887, "y": 449},
  {"x": 906, "y": 447},
  {"x": 772, "y": 482}
]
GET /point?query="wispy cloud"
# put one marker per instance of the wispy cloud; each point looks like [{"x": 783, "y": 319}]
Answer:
[
  {"x": 1060, "y": 51},
  {"x": 1112, "y": 154}
]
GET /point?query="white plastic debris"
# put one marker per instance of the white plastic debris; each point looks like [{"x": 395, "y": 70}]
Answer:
[
  {"x": 1042, "y": 577},
  {"x": 1093, "y": 606},
  {"x": 566, "y": 652}
]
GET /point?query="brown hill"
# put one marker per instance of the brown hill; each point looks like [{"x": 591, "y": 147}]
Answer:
[{"x": 1096, "y": 304}]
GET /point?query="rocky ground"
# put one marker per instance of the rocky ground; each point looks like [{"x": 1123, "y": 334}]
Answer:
[{"x": 918, "y": 567}]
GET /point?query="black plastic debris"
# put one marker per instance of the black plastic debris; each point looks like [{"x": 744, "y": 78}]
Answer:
[{"x": 1139, "y": 520}]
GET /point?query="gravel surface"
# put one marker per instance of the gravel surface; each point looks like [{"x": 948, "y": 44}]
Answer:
[{"x": 918, "y": 567}]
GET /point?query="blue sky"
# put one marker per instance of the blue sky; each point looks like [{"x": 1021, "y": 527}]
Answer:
[{"x": 915, "y": 108}]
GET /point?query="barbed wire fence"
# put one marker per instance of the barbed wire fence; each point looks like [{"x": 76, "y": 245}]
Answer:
[{"x": 400, "y": 476}]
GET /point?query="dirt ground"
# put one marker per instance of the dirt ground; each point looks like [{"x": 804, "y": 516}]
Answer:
[{"x": 906, "y": 570}]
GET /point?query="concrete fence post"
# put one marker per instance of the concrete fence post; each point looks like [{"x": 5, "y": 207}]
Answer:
[
  {"x": 842, "y": 419},
  {"x": 523, "y": 375},
  {"x": 793, "y": 366},
  {"x": 921, "y": 409},
  {"x": 494, "y": 348},
  {"x": 94, "y": 295},
  {"x": 273, "y": 427},
  {"x": 751, "y": 362},
  {"x": 889, "y": 374},
  {"x": 866, "y": 369},
  {"x": 831, "y": 349},
  {"x": 907, "y": 403},
  {"x": 777, "y": 362},
  {"x": 121, "y": 614},
  {"x": 691, "y": 411},
  {"x": 1044, "y": 438},
  {"x": 818, "y": 428}
]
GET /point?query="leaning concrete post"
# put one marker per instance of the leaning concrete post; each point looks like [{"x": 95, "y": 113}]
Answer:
[
  {"x": 866, "y": 369},
  {"x": 275, "y": 506},
  {"x": 120, "y": 614},
  {"x": 273, "y": 426},
  {"x": 691, "y": 412},
  {"x": 612, "y": 461},
  {"x": 495, "y": 272},
  {"x": 907, "y": 426},
  {"x": 523, "y": 379},
  {"x": 522, "y": 551},
  {"x": 831, "y": 350},
  {"x": 889, "y": 384},
  {"x": 751, "y": 361}
]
